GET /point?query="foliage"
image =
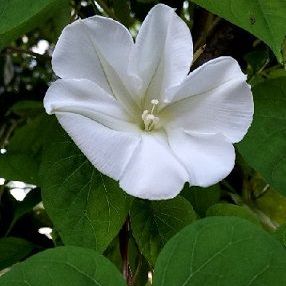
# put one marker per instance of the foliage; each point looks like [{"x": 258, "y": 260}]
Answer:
[{"x": 232, "y": 231}]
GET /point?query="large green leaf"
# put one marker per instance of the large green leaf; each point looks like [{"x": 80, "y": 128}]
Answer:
[
  {"x": 155, "y": 222},
  {"x": 87, "y": 208},
  {"x": 72, "y": 266},
  {"x": 264, "y": 147},
  {"x": 12, "y": 250},
  {"x": 221, "y": 251},
  {"x": 263, "y": 18},
  {"x": 18, "y": 17}
]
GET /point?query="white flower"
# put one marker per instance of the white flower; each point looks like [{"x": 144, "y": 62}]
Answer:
[{"x": 137, "y": 113}]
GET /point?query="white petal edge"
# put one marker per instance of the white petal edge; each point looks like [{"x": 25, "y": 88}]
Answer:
[
  {"x": 208, "y": 76},
  {"x": 163, "y": 51},
  {"x": 208, "y": 158},
  {"x": 108, "y": 150},
  {"x": 86, "y": 98},
  {"x": 214, "y": 99},
  {"x": 98, "y": 49},
  {"x": 153, "y": 172}
]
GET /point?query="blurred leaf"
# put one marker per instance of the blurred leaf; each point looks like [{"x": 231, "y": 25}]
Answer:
[
  {"x": 18, "y": 18},
  {"x": 273, "y": 204},
  {"x": 23, "y": 156},
  {"x": 221, "y": 251},
  {"x": 53, "y": 28},
  {"x": 224, "y": 209},
  {"x": 155, "y": 222},
  {"x": 122, "y": 11},
  {"x": 26, "y": 206},
  {"x": 263, "y": 18},
  {"x": 202, "y": 198},
  {"x": 13, "y": 250},
  {"x": 64, "y": 266},
  {"x": 264, "y": 146},
  {"x": 27, "y": 108},
  {"x": 87, "y": 208}
]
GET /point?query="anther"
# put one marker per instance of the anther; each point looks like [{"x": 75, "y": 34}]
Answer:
[
  {"x": 145, "y": 114},
  {"x": 150, "y": 117},
  {"x": 155, "y": 101}
]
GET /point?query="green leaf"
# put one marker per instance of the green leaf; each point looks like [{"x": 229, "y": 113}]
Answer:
[
  {"x": 202, "y": 198},
  {"x": 12, "y": 250},
  {"x": 155, "y": 222},
  {"x": 263, "y": 18},
  {"x": 280, "y": 234},
  {"x": 21, "y": 162},
  {"x": 224, "y": 209},
  {"x": 264, "y": 146},
  {"x": 70, "y": 266},
  {"x": 17, "y": 18},
  {"x": 221, "y": 251},
  {"x": 87, "y": 208}
]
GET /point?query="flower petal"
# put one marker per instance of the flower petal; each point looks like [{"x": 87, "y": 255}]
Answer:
[
  {"x": 208, "y": 158},
  {"x": 108, "y": 150},
  {"x": 153, "y": 172},
  {"x": 214, "y": 99},
  {"x": 86, "y": 98},
  {"x": 97, "y": 49},
  {"x": 163, "y": 51}
]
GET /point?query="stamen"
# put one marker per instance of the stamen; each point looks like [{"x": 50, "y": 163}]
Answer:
[
  {"x": 154, "y": 102},
  {"x": 149, "y": 119}
]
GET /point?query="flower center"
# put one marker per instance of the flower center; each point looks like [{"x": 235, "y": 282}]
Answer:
[{"x": 148, "y": 117}]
